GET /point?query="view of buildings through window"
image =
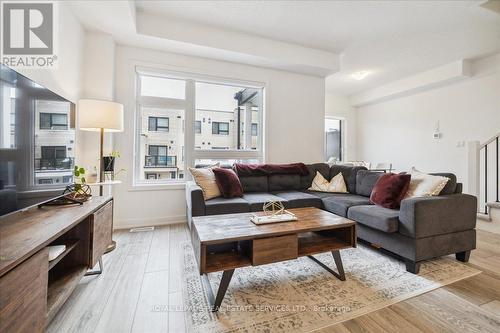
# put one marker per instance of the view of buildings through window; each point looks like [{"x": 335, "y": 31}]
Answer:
[
  {"x": 54, "y": 143},
  {"x": 225, "y": 118},
  {"x": 333, "y": 139}
]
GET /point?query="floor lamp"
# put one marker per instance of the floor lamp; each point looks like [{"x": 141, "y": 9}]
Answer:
[{"x": 101, "y": 116}]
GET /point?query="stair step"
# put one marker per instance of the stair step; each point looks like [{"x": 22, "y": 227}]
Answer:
[
  {"x": 493, "y": 205},
  {"x": 484, "y": 217}
]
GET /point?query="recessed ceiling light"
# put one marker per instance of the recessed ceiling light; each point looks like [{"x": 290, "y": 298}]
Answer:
[{"x": 360, "y": 75}]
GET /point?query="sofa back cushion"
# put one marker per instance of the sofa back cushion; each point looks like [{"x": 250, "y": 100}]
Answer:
[
  {"x": 365, "y": 180},
  {"x": 306, "y": 181},
  {"x": 451, "y": 185},
  {"x": 284, "y": 182},
  {"x": 254, "y": 184},
  {"x": 349, "y": 173}
]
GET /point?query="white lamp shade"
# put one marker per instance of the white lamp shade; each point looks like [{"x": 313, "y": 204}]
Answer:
[{"x": 95, "y": 114}]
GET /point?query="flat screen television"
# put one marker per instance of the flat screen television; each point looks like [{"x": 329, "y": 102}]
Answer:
[{"x": 37, "y": 142}]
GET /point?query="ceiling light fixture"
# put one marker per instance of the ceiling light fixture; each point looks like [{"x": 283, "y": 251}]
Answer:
[{"x": 360, "y": 75}]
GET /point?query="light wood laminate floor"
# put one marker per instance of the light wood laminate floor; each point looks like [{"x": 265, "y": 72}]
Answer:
[{"x": 142, "y": 279}]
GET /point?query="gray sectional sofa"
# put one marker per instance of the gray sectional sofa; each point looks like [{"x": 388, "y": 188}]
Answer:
[{"x": 423, "y": 228}]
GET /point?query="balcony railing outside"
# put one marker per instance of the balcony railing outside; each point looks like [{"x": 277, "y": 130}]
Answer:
[
  {"x": 155, "y": 161},
  {"x": 54, "y": 163}
]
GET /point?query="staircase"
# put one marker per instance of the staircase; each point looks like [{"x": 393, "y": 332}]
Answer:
[{"x": 487, "y": 155}]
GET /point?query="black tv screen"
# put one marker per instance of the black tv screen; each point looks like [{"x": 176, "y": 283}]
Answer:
[{"x": 37, "y": 142}]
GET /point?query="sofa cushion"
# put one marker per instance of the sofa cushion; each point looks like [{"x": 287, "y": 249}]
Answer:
[
  {"x": 284, "y": 182},
  {"x": 376, "y": 217},
  {"x": 336, "y": 185},
  {"x": 254, "y": 184},
  {"x": 205, "y": 179},
  {"x": 226, "y": 206},
  {"x": 296, "y": 199},
  {"x": 390, "y": 189},
  {"x": 257, "y": 200},
  {"x": 349, "y": 173},
  {"x": 320, "y": 195},
  {"x": 340, "y": 203},
  {"x": 228, "y": 182},
  {"x": 451, "y": 185},
  {"x": 306, "y": 181},
  {"x": 425, "y": 185},
  {"x": 365, "y": 180}
]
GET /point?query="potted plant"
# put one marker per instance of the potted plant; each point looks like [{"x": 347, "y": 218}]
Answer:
[
  {"x": 109, "y": 161},
  {"x": 79, "y": 190}
]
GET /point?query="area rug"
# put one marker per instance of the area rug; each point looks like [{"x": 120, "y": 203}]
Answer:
[{"x": 300, "y": 296}]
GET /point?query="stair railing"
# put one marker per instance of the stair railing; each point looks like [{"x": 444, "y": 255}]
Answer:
[{"x": 493, "y": 144}]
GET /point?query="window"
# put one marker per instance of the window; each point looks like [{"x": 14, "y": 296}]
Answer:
[
  {"x": 171, "y": 110},
  {"x": 162, "y": 87},
  {"x": 158, "y": 124},
  {"x": 255, "y": 129},
  {"x": 157, "y": 157},
  {"x": 220, "y": 128},
  {"x": 53, "y": 121},
  {"x": 53, "y": 152},
  {"x": 232, "y": 110},
  {"x": 333, "y": 140}
]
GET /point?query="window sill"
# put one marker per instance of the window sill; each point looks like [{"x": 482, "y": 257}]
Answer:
[{"x": 180, "y": 185}]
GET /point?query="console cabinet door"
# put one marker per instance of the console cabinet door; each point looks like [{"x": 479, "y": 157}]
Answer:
[
  {"x": 23, "y": 295},
  {"x": 102, "y": 224}
]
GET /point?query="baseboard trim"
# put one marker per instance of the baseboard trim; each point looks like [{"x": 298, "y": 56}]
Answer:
[{"x": 148, "y": 222}]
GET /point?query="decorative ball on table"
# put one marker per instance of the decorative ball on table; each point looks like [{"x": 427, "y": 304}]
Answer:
[{"x": 273, "y": 208}]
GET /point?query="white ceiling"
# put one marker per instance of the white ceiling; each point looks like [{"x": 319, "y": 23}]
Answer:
[{"x": 393, "y": 39}]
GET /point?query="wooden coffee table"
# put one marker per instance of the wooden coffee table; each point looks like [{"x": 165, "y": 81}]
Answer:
[{"x": 230, "y": 241}]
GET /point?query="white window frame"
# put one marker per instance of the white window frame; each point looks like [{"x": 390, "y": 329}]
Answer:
[{"x": 189, "y": 106}]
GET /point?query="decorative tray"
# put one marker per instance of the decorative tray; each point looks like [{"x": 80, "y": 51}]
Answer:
[{"x": 286, "y": 216}]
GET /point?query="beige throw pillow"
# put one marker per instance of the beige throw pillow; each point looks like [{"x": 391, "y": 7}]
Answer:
[
  {"x": 205, "y": 178},
  {"x": 425, "y": 185},
  {"x": 320, "y": 184}
]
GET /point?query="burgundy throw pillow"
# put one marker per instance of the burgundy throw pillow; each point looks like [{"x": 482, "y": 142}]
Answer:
[
  {"x": 390, "y": 189},
  {"x": 228, "y": 182}
]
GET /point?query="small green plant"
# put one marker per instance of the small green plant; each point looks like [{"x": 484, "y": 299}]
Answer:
[
  {"x": 115, "y": 153},
  {"x": 80, "y": 180}
]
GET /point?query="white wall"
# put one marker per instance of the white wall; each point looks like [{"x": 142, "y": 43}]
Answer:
[
  {"x": 64, "y": 80},
  {"x": 98, "y": 82},
  {"x": 400, "y": 130},
  {"x": 338, "y": 106},
  {"x": 295, "y": 108}
]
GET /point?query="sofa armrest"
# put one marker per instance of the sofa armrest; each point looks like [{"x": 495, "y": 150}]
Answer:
[
  {"x": 429, "y": 216},
  {"x": 194, "y": 201}
]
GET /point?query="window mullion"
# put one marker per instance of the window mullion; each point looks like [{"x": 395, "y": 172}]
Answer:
[{"x": 189, "y": 132}]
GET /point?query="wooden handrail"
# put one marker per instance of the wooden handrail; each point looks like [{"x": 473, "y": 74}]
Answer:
[{"x": 481, "y": 146}]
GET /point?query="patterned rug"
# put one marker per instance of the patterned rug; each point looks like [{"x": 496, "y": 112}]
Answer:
[{"x": 300, "y": 296}]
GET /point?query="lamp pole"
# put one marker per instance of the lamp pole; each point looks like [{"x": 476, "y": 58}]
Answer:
[{"x": 101, "y": 162}]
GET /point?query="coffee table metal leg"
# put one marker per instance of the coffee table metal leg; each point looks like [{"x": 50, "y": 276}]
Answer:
[
  {"x": 338, "y": 262},
  {"x": 215, "y": 302}
]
